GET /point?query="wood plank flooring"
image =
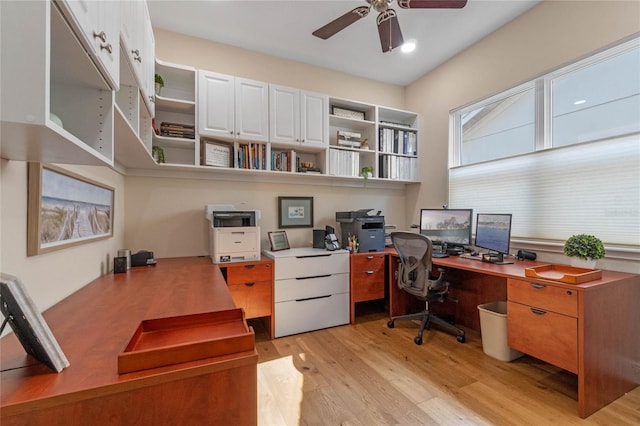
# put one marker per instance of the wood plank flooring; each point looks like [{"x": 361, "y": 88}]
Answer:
[{"x": 368, "y": 374}]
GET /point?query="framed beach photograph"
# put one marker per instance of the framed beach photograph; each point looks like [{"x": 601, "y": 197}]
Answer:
[
  {"x": 65, "y": 209},
  {"x": 295, "y": 212},
  {"x": 278, "y": 240}
]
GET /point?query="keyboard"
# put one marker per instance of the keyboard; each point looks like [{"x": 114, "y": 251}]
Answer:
[
  {"x": 439, "y": 255},
  {"x": 469, "y": 256}
]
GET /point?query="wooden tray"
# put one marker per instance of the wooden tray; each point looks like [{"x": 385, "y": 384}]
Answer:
[
  {"x": 563, "y": 273},
  {"x": 174, "y": 340}
]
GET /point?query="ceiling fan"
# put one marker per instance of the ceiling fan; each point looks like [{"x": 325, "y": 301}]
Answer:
[{"x": 388, "y": 27}]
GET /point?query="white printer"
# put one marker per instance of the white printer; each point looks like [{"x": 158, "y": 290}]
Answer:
[{"x": 233, "y": 235}]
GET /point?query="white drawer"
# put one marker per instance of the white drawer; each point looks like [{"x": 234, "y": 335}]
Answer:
[
  {"x": 297, "y": 317},
  {"x": 236, "y": 240},
  {"x": 304, "y": 288},
  {"x": 312, "y": 265}
]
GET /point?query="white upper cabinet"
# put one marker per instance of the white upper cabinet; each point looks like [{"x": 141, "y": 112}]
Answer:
[
  {"x": 298, "y": 117},
  {"x": 232, "y": 108},
  {"x": 137, "y": 41},
  {"x": 97, "y": 24},
  {"x": 314, "y": 119},
  {"x": 216, "y": 105}
]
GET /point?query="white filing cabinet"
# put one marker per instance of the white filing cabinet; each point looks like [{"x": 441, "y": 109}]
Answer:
[{"x": 311, "y": 289}]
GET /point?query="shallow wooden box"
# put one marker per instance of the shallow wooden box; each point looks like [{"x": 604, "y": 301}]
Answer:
[
  {"x": 563, "y": 273},
  {"x": 174, "y": 340}
]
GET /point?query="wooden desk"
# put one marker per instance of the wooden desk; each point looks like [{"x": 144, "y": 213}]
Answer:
[
  {"x": 92, "y": 327},
  {"x": 603, "y": 341}
]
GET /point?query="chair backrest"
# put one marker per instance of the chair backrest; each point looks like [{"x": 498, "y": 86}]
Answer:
[{"x": 414, "y": 269}]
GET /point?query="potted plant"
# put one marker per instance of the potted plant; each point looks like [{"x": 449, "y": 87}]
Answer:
[
  {"x": 366, "y": 172},
  {"x": 158, "y": 154},
  {"x": 584, "y": 250},
  {"x": 159, "y": 83}
]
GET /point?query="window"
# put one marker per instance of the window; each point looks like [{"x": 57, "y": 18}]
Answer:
[{"x": 561, "y": 153}]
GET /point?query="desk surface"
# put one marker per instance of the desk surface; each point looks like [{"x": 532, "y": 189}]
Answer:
[{"x": 94, "y": 324}]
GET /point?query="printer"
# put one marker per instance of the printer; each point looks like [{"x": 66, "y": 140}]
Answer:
[
  {"x": 368, "y": 229},
  {"x": 233, "y": 234}
]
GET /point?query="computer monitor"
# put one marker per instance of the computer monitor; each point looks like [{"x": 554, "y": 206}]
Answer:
[
  {"x": 451, "y": 227},
  {"x": 493, "y": 232}
]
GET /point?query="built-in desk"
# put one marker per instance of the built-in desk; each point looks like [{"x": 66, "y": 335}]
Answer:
[
  {"x": 94, "y": 324},
  {"x": 595, "y": 335}
]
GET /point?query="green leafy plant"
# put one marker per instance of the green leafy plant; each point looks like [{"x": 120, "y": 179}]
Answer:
[
  {"x": 158, "y": 154},
  {"x": 584, "y": 246},
  {"x": 366, "y": 170},
  {"x": 159, "y": 80}
]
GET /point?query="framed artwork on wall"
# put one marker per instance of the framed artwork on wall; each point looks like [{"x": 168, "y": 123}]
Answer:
[
  {"x": 65, "y": 209},
  {"x": 295, "y": 212}
]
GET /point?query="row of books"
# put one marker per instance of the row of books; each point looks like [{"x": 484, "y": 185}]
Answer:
[
  {"x": 177, "y": 130},
  {"x": 252, "y": 156},
  {"x": 402, "y": 168},
  {"x": 344, "y": 163},
  {"x": 284, "y": 161},
  {"x": 397, "y": 141}
]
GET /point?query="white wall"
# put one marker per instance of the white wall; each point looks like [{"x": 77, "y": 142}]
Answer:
[
  {"x": 51, "y": 277},
  {"x": 548, "y": 36}
]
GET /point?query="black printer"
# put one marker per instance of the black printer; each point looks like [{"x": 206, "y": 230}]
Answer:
[{"x": 368, "y": 229}]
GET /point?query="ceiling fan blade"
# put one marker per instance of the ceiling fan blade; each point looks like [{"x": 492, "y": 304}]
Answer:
[
  {"x": 432, "y": 4},
  {"x": 342, "y": 22},
  {"x": 389, "y": 30}
]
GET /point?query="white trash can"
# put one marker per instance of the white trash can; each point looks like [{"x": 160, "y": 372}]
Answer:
[{"x": 493, "y": 327}]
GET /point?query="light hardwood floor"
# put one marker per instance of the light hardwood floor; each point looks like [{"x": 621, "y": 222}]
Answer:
[{"x": 367, "y": 374}]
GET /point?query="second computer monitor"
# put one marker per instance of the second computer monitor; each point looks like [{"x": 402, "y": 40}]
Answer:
[
  {"x": 493, "y": 232},
  {"x": 451, "y": 226}
]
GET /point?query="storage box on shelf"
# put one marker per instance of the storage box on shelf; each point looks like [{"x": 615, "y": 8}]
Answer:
[
  {"x": 56, "y": 106},
  {"x": 175, "y": 119}
]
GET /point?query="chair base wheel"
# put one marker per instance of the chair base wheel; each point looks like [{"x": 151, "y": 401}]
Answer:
[
  {"x": 418, "y": 340},
  {"x": 461, "y": 339},
  {"x": 390, "y": 324}
]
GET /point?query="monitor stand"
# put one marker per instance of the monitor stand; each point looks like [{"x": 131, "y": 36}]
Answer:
[{"x": 496, "y": 258}]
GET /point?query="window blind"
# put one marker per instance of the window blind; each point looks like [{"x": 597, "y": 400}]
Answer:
[{"x": 591, "y": 188}]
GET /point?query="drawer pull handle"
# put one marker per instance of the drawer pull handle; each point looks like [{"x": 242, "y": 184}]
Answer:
[
  {"x": 538, "y": 311},
  {"x": 313, "y": 255},
  {"x": 315, "y": 276},
  {"x": 370, "y": 272},
  {"x": 313, "y": 298},
  {"x": 249, "y": 284},
  {"x": 249, "y": 266},
  {"x": 369, "y": 257},
  {"x": 238, "y": 232},
  {"x": 536, "y": 285}
]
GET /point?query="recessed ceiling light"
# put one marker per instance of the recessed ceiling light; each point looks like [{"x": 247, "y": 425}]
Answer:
[
  {"x": 408, "y": 46},
  {"x": 580, "y": 102}
]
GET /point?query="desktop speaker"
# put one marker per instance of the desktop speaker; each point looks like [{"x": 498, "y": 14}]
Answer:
[
  {"x": 119, "y": 265},
  {"x": 526, "y": 255},
  {"x": 318, "y": 238}
]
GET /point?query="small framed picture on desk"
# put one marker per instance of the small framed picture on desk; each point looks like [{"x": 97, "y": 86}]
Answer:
[{"x": 278, "y": 240}]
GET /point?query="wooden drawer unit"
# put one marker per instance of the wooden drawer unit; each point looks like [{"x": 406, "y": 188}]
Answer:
[
  {"x": 542, "y": 322},
  {"x": 367, "y": 276},
  {"x": 544, "y": 296},
  {"x": 251, "y": 287}
]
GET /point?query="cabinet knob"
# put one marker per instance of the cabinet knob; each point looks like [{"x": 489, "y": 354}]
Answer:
[
  {"x": 135, "y": 52},
  {"x": 536, "y": 285},
  {"x": 101, "y": 35},
  {"x": 231, "y": 132},
  {"x": 138, "y": 58},
  {"x": 107, "y": 47}
]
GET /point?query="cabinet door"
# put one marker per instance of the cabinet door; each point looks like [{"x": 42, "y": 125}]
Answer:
[
  {"x": 314, "y": 119},
  {"x": 252, "y": 110},
  {"x": 284, "y": 115},
  {"x": 216, "y": 104},
  {"x": 147, "y": 56},
  {"x": 83, "y": 14},
  {"x": 107, "y": 44}
]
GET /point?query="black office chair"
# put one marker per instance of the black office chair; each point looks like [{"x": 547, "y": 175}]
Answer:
[{"x": 413, "y": 276}]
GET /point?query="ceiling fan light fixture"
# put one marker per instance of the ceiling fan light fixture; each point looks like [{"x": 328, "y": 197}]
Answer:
[{"x": 408, "y": 46}]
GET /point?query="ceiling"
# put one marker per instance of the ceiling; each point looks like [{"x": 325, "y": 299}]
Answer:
[{"x": 283, "y": 29}]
